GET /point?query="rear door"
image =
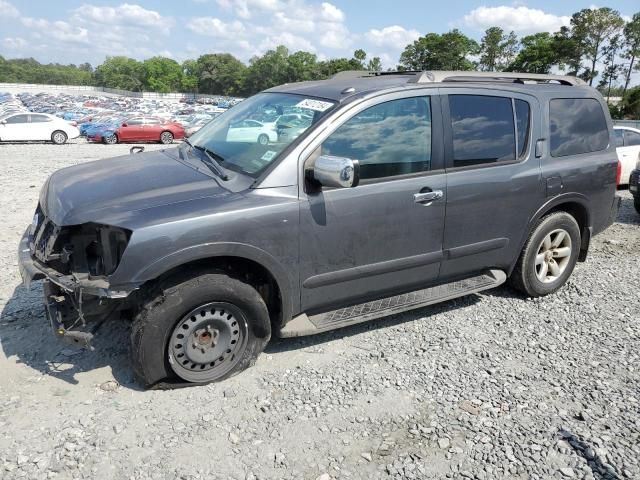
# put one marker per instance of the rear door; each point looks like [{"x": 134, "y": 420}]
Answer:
[
  {"x": 493, "y": 178},
  {"x": 377, "y": 238},
  {"x": 151, "y": 129},
  {"x": 41, "y": 126}
]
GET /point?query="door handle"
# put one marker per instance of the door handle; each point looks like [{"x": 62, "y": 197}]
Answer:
[{"x": 427, "y": 196}]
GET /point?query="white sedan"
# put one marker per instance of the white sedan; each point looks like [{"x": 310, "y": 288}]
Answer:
[
  {"x": 628, "y": 149},
  {"x": 25, "y": 126},
  {"x": 252, "y": 131}
]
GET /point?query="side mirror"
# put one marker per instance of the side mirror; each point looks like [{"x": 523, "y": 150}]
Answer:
[
  {"x": 336, "y": 172},
  {"x": 3, "y": 122},
  {"x": 124, "y": 124}
]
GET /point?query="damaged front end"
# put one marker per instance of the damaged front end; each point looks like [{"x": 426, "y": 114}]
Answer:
[{"x": 75, "y": 262}]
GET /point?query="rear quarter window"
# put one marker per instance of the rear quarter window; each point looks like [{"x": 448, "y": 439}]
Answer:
[{"x": 577, "y": 125}]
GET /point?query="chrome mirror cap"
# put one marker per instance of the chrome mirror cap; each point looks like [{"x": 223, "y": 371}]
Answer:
[{"x": 336, "y": 172}]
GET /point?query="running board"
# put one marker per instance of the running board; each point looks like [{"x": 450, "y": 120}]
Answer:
[{"x": 305, "y": 325}]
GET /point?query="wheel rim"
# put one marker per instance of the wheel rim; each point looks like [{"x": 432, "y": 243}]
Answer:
[
  {"x": 111, "y": 139},
  {"x": 58, "y": 137},
  {"x": 553, "y": 256},
  {"x": 166, "y": 137},
  {"x": 208, "y": 342},
  {"x": 263, "y": 139}
]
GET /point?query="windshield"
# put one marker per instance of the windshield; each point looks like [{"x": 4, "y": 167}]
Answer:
[{"x": 251, "y": 135}]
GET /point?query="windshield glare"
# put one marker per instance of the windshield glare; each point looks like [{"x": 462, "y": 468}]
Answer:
[{"x": 252, "y": 134}]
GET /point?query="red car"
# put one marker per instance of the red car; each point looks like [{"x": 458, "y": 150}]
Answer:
[{"x": 141, "y": 129}]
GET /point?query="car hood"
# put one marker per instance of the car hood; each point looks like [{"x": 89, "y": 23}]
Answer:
[{"x": 115, "y": 188}]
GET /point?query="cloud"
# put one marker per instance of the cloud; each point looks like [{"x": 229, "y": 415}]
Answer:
[
  {"x": 125, "y": 14},
  {"x": 520, "y": 19},
  {"x": 14, "y": 43},
  {"x": 58, "y": 30},
  {"x": 393, "y": 36},
  {"x": 7, "y": 10},
  {"x": 214, "y": 27}
]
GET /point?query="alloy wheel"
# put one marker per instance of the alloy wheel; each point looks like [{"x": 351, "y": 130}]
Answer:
[{"x": 553, "y": 256}]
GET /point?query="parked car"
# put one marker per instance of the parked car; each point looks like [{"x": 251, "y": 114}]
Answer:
[
  {"x": 197, "y": 124},
  {"x": 139, "y": 129},
  {"x": 407, "y": 189},
  {"x": 628, "y": 148},
  {"x": 26, "y": 126},
  {"x": 252, "y": 131},
  {"x": 634, "y": 186}
]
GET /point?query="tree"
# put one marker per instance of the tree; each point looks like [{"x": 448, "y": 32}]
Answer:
[
  {"x": 302, "y": 66},
  {"x": 537, "y": 54},
  {"x": 593, "y": 29},
  {"x": 631, "y": 47},
  {"x": 267, "y": 71},
  {"x": 449, "y": 51},
  {"x": 189, "y": 76},
  {"x": 220, "y": 74},
  {"x": 566, "y": 46},
  {"x": 360, "y": 55},
  {"x": 490, "y": 48},
  {"x": 162, "y": 75},
  {"x": 374, "y": 65},
  {"x": 120, "y": 72},
  {"x": 612, "y": 69}
]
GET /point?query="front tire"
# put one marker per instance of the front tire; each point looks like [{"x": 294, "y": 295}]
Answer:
[
  {"x": 110, "y": 139},
  {"x": 263, "y": 139},
  {"x": 548, "y": 257},
  {"x": 59, "y": 137},
  {"x": 199, "y": 329}
]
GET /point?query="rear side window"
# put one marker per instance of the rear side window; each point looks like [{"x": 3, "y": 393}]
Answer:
[
  {"x": 18, "y": 119},
  {"x": 631, "y": 138},
  {"x": 483, "y": 129},
  {"x": 577, "y": 126},
  {"x": 40, "y": 118}
]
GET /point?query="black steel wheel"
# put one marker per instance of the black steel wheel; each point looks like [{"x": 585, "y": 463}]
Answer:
[{"x": 208, "y": 342}]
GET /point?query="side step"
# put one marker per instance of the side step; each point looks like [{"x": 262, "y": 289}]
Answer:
[{"x": 305, "y": 325}]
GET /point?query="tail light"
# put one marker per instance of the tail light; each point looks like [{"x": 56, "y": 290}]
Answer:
[{"x": 618, "y": 172}]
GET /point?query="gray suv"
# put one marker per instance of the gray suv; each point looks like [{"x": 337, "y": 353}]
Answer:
[{"x": 316, "y": 205}]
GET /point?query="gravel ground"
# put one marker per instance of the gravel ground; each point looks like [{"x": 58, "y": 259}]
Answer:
[{"x": 488, "y": 386}]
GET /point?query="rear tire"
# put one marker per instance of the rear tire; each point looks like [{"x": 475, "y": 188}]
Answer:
[
  {"x": 59, "y": 137},
  {"x": 198, "y": 328},
  {"x": 548, "y": 257},
  {"x": 110, "y": 139},
  {"x": 263, "y": 139},
  {"x": 166, "y": 138}
]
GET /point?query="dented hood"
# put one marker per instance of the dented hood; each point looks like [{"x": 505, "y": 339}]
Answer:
[{"x": 115, "y": 187}]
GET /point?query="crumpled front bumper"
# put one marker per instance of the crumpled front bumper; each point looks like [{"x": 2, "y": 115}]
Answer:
[{"x": 32, "y": 269}]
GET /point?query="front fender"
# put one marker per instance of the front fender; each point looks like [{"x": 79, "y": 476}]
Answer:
[{"x": 223, "y": 249}]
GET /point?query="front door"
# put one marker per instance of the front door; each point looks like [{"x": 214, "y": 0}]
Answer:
[
  {"x": 133, "y": 131},
  {"x": 15, "y": 127},
  {"x": 383, "y": 236}
]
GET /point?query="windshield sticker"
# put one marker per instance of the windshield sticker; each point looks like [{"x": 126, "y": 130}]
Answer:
[
  {"x": 317, "y": 105},
  {"x": 268, "y": 155}
]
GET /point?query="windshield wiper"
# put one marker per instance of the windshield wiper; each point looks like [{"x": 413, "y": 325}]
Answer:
[{"x": 212, "y": 162}]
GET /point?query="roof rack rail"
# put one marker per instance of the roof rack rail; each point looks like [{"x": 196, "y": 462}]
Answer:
[
  {"x": 513, "y": 77},
  {"x": 348, "y": 74}
]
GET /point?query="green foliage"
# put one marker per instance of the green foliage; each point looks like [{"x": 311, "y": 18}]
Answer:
[
  {"x": 28, "y": 70},
  {"x": 120, "y": 72},
  {"x": 631, "y": 47},
  {"x": 630, "y": 105},
  {"x": 449, "y": 51},
  {"x": 497, "y": 50},
  {"x": 220, "y": 74},
  {"x": 162, "y": 75},
  {"x": 537, "y": 54}
]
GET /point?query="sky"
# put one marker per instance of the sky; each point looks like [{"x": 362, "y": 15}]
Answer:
[{"x": 71, "y": 31}]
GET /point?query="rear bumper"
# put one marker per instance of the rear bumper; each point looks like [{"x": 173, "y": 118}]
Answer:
[{"x": 31, "y": 269}]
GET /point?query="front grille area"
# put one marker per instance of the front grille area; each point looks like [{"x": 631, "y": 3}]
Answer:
[{"x": 44, "y": 239}]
